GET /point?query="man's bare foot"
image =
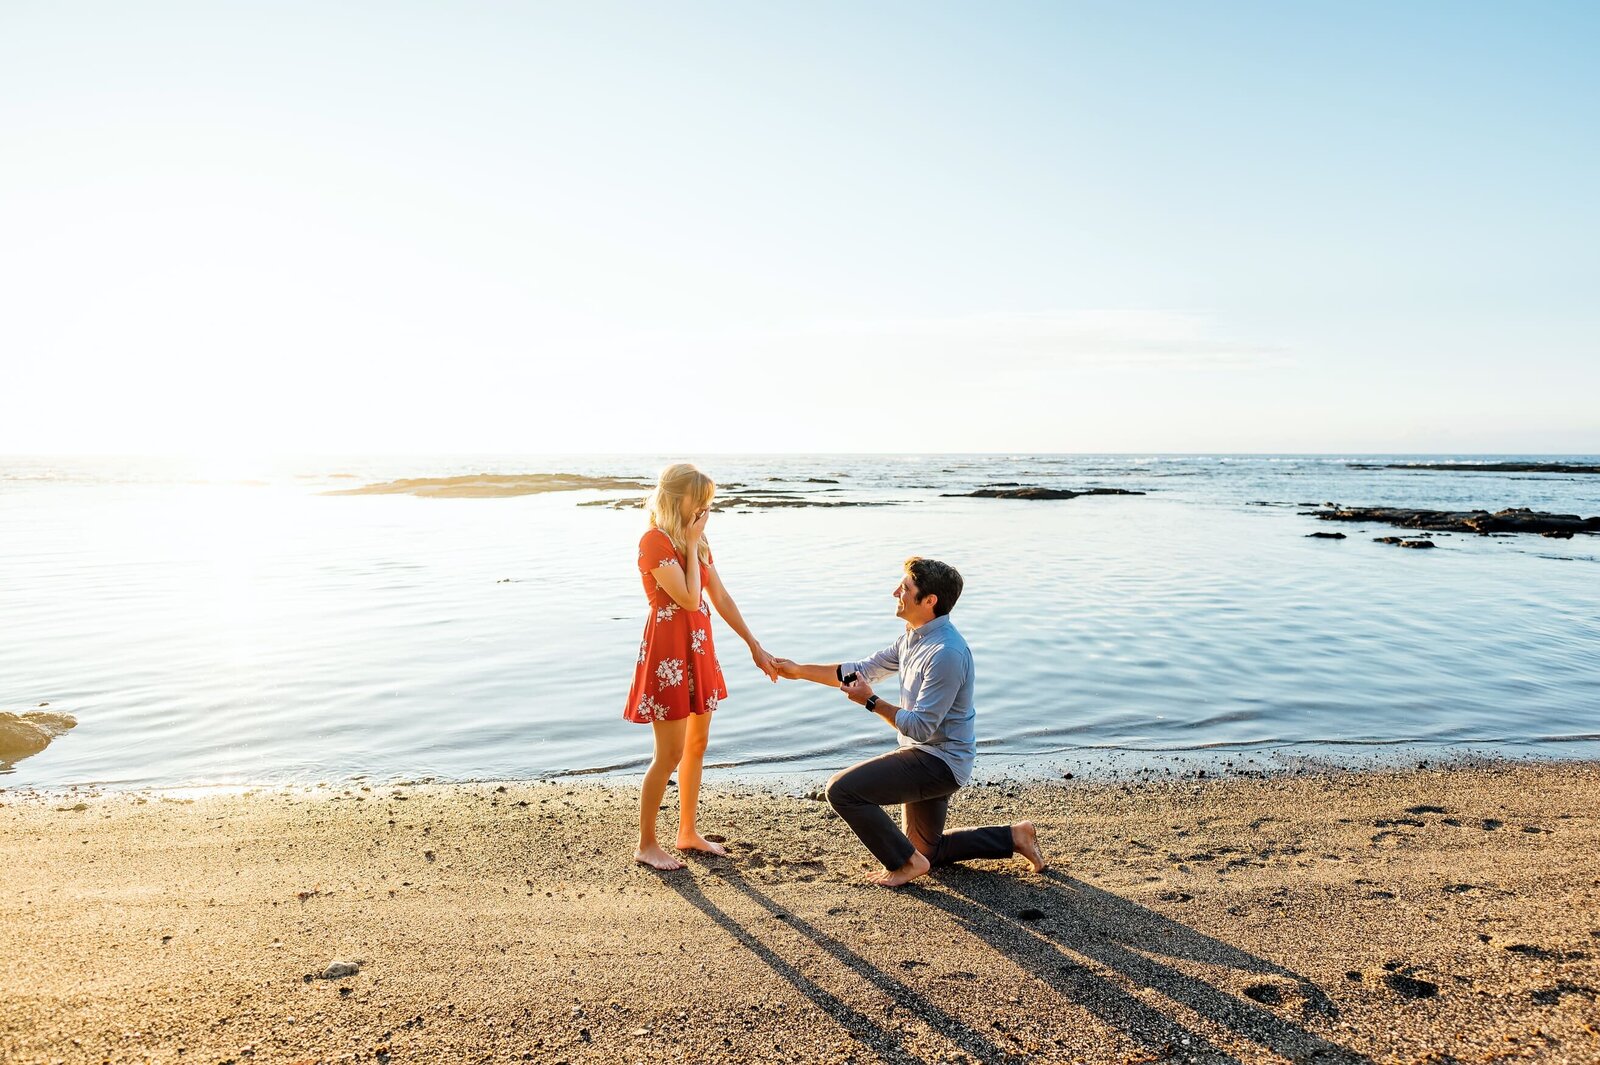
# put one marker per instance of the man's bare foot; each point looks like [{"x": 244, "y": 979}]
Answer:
[
  {"x": 656, "y": 858},
  {"x": 694, "y": 841},
  {"x": 917, "y": 866},
  {"x": 1025, "y": 841}
]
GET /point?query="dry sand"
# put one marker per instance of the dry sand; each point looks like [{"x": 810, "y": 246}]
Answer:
[{"x": 1433, "y": 916}]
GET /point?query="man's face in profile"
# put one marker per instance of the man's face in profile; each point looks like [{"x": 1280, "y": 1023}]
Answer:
[{"x": 906, "y": 606}]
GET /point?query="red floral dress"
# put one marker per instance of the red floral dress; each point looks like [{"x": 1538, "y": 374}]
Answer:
[{"x": 678, "y": 673}]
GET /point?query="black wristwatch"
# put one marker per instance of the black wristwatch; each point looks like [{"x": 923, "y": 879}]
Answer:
[{"x": 872, "y": 701}]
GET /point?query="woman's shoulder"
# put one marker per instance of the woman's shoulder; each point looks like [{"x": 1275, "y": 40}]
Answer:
[{"x": 655, "y": 549}]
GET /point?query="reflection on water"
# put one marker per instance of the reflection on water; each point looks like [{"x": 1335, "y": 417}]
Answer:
[{"x": 208, "y": 631}]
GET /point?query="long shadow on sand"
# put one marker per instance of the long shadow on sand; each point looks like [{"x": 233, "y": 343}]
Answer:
[
  {"x": 1121, "y": 936},
  {"x": 885, "y": 1042},
  {"x": 1103, "y": 998}
]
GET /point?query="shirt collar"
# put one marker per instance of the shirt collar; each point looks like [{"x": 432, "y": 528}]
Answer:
[{"x": 922, "y": 632}]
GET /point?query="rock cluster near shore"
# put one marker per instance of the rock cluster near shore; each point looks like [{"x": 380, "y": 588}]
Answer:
[
  {"x": 1512, "y": 520},
  {"x": 1013, "y": 490},
  {"x": 1480, "y": 467},
  {"x": 26, "y": 734}
]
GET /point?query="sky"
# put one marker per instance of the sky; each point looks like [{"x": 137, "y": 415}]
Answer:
[{"x": 404, "y": 228}]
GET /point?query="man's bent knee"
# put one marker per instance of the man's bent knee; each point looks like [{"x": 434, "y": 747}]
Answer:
[{"x": 838, "y": 792}]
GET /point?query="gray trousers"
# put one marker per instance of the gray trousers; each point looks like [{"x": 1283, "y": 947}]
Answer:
[{"x": 924, "y": 784}]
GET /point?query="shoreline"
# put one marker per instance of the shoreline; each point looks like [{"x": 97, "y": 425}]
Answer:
[
  {"x": 1099, "y": 765},
  {"x": 1380, "y": 915}
]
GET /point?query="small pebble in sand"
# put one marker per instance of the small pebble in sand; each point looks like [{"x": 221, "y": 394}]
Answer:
[
  {"x": 1410, "y": 986},
  {"x": 339, "y": 969}
]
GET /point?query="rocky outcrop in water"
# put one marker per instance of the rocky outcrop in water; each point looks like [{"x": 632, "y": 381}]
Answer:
[
  {"x": 1480, "y": 467},
  {"x": 1511, "y": 520},
  {"x": 1011, "y": 491},
  {"x": 22, "y": 735}
]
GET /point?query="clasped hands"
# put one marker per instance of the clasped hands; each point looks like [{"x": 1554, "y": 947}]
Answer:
[{"x": 857, "y": 690}]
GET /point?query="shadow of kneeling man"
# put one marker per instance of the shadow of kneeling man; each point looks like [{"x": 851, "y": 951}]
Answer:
[{"x": 1037, "y": 921}]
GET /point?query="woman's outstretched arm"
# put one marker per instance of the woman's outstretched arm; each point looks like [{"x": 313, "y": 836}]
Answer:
[{"x": 718, "y": 594}]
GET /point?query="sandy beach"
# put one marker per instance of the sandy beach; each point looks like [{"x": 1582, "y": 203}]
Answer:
[{"x": 1430, "y": 915}]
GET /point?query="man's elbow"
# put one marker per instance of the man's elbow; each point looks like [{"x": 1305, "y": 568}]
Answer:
[{"x": 917, "y": 729}]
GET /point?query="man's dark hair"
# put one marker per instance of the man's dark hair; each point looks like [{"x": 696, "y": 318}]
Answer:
[{"x": 933, "y": 577}]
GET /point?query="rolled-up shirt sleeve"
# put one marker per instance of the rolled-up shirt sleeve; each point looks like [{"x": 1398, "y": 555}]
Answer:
[
  {"x": 883, "y": 664},
  {"x": 941, "y": 683}
]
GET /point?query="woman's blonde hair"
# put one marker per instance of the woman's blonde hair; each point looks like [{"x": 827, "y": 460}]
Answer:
[{"x": 678, "y": 482}]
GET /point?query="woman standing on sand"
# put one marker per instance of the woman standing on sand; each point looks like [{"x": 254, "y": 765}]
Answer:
[{"x": 678, "y": 680}]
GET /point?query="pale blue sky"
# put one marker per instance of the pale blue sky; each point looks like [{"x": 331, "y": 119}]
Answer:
[{"x": 749, "y": 227}]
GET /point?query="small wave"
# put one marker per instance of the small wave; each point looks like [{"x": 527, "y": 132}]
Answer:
[{"x": 590, "y": 771}]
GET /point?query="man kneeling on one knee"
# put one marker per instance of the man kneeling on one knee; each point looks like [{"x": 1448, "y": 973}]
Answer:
[{"x": 937, "y": 738}]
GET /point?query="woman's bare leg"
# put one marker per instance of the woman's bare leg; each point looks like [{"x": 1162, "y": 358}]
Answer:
[
  {"x": 694, "y": 756},
  {"x": 669, "y": 750}
]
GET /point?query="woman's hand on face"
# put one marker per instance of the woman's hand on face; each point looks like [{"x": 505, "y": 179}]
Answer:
[{"x": 697, "y": 528}]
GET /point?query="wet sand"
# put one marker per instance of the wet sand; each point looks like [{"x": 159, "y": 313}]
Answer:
[{"x": 1429, "y": 915}]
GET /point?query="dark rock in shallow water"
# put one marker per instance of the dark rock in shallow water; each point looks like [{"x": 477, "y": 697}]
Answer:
[
  {"x": 1482, "y": 467},
  {"x": 1324, "y": 536},
  {"x": 1511, "y": 520},
  {"x": 1034, "y": 492},
  {"x": 1401, "y": 541}
]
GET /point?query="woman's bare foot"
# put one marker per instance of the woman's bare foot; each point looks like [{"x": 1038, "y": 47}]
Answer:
[
  {"x": 915, "y": 867},
  {"x": 1025, "y": 841},
  {"x": 656, "y": 858},
  {"x": 694, "y": 841}
]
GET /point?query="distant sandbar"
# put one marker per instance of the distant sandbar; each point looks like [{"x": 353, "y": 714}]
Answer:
[{"x": 492, "y": 485}]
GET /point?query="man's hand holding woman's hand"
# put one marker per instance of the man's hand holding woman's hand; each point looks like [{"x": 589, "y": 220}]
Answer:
[{"x": 786, "y": 668}]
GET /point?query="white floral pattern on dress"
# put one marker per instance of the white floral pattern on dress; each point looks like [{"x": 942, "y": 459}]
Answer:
[
  {"x": 666, "y": 562},
  {"x": 697, "y": 642},
  {"x": 650, "y": 710},
  {"x": 704, "y": 609},
  {"x": 670, "y": 672},
  {"x": 644, "y": 650},
  {"x": 666, "y": 612},
  {"x": 711, "y": 702}
]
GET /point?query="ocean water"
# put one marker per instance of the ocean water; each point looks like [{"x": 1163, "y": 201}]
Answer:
[{"x": 232, "y": 624}]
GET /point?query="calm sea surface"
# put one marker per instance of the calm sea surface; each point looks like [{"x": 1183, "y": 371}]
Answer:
[{"x": 234, "y": 625}]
